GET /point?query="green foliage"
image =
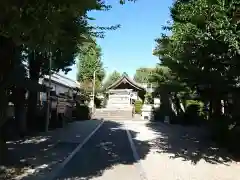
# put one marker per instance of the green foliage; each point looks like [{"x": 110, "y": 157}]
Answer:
[
  {"x": 81, "y": 112},
  {"x": 47, "y": 30},
  {"x": 200, "y": 26},
  {"x": 125, "y": 74},
  {"x": 190, "y": 52},
  {"x": 89, "y": 63},
  {"x": 37, "y": 23},
  {"x": 138, "y": 107},
  {"x": 168, "y": 82},
  {"x": 97, "y": 102},
  {"x": 148, "y": 98},
  {"x": 124, "y": 1},
  {"x": 143, "y": 75},
  {"x": 113, "y": 77},
  {"x": 193, "y": 106}
]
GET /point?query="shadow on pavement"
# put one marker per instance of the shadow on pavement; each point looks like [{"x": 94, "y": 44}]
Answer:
[
  {"x": 39, "y": 154},
  {"x": 107, "y": 149},
  {"x": 23, "y": 155},
  {"x": 190, "y": 143}
]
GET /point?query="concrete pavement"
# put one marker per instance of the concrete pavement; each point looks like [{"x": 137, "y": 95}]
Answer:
[
  {"x": 181, "y": 153},
  {"x": 43, "y": 153},
  {"x": 107, "y": 155},
  {"x": 138, "y": 150}
]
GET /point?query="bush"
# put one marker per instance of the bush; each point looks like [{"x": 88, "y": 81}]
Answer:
[
  {"x": 81, "y": 112},
  {"x": 193, "y": 113},
  {"x": 148, "y": 98},
  {"x": 162, "y": 111},
  {"x": 138, "y": 106},
  {"x": 196, "y": 105},
  {"x": 97, "y": 102}
]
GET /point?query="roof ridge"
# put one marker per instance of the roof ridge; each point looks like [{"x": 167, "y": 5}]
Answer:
[
  {"x": 64, "y": 77},
  {"x": 134, "y": 83}
]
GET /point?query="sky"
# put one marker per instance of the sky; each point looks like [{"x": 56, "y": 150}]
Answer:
[{"x": 130, "y": 47}]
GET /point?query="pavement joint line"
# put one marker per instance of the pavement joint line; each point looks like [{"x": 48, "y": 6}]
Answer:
[
  {"x": 143, "y": 175},
  {"x": 55, "y": 172}
]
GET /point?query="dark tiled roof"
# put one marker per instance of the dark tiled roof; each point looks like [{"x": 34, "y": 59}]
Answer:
[{"x": 126, "y": 79}]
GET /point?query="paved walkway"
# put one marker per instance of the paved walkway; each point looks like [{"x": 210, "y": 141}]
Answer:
[
  {"x": 106, "y": 156},
  {"x": 133, "y": 150},
  {"x": 181, "y": 153},
  {"x": 137, "y": 150},
  {"x": 44, "y": 152}
]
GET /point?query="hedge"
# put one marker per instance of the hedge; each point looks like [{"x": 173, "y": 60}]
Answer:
[{"x": 138, "y": 107}]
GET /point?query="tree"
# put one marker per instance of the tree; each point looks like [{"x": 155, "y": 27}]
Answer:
[
  {"x": 125, "y": 74},
  {"x": 143, "y": 75},
  {"x": 44, "y": 29},
  {"x": 39, "y": 29},
  {"x": 190, "y": 51},
  {"x": 169, "y": 86},
  {"x": 62, "y": 54},
  {"x": 113, "y": 77},
  {"x": 89, "y": 63}
]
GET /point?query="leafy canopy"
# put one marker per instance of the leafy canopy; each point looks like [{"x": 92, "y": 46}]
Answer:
[
  {"x": 113, "y": 77},
  {"x": 190, "y": 52},
  {"x": 143, "y": 75},
  {"x": 89, "y": 62}
]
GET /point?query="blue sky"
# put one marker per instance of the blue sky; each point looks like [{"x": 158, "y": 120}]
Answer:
[{"x": 130, "y": 46}]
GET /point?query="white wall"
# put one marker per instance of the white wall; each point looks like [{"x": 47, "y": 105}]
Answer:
[{"x": 56, "y": 87}]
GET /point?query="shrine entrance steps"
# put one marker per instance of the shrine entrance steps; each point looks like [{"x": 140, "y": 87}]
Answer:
[{"x": 113, "y": 114}]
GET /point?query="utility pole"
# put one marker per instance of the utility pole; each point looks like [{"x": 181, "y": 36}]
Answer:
[
  {"x": 48, "y": 93},
  {"x": 93, "y": 90}
]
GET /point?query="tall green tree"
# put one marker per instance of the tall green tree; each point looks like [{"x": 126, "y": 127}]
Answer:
[
  {"x": 113, "y": 77},
  {"x": 190, "y": 52},
  {"x": 143, "y": 75},
  {"x": 125, "y": 74},
  {"x": 90, "y": 63},
  {"x": 42, "y": 28}
]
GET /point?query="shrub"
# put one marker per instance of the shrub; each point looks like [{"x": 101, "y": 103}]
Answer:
[
  {"x": 138, "y": 106},
  {"x": 82, "y": 112},
  {"x": 148, "y": 98},
  {"x": 195, "y": 105},
  {"x": 97, "y": 102},
  {"x": 193, "y": 113}
]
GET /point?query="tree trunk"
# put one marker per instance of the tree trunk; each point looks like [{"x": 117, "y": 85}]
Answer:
[
  {"x": 177, "y": 104},
  {"x": 19, "y": 110},
  {"x": 217, "y": 108},
  {"x": 32, "y": 110},
  {"x": 210, "y": 109},
  {"x": 34, "y": 73},
  {"x": 7, "y": 52},
  {"x": 3, "y": 120},
  {"x": 3, "y": 150}
]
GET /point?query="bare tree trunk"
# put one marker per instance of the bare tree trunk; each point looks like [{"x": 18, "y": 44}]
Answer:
[
  {"x": 177, "y": 104},
  {"x": 20, "y": 111},
  {"x": 3, "y": 119},
  {"x": 34, "y": 72},
  {"x": 217, "y": 108},
  {"x": 3, "y": 150},
  {"x": 210, "y": 110},
  {"x": 7, "y": 51}
]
